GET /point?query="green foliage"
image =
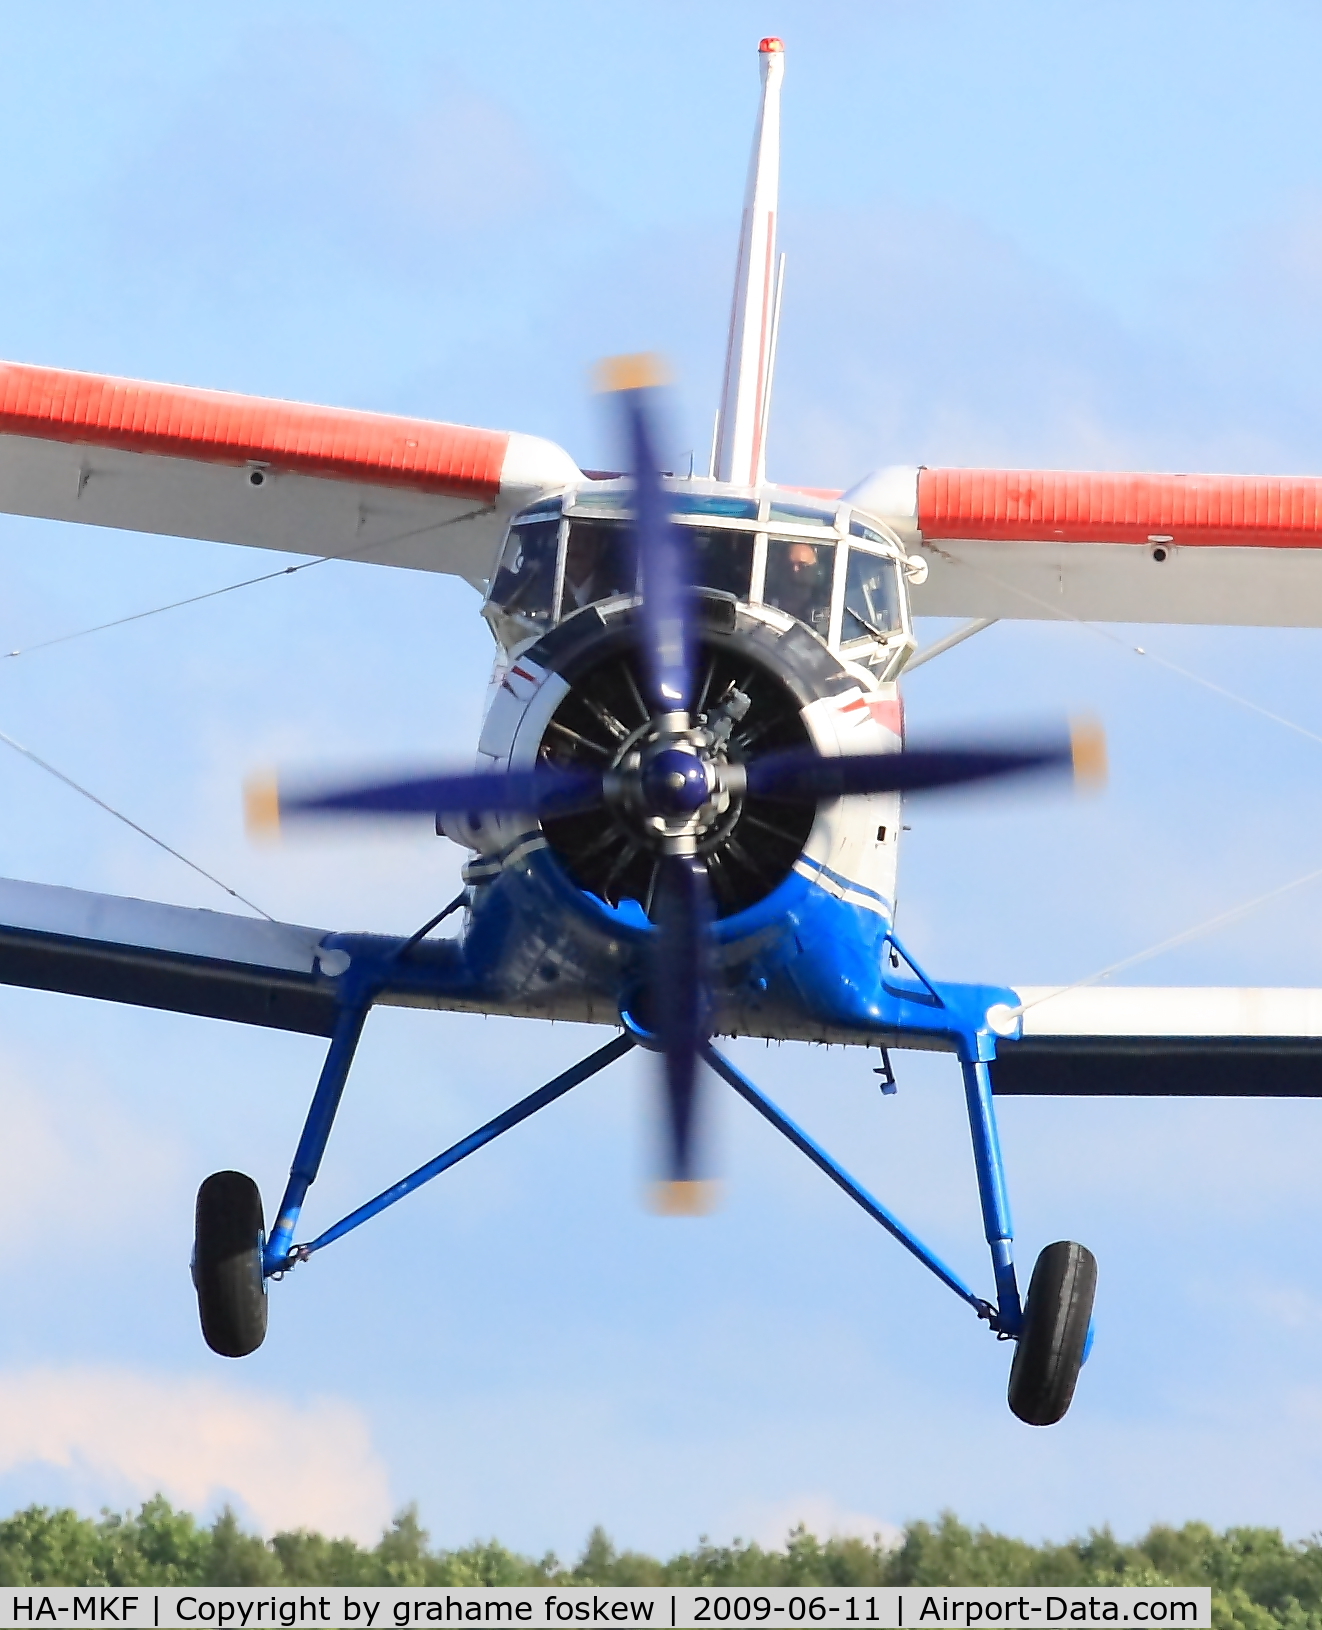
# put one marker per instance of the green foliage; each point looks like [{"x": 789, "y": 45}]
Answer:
[{"x": 1260, "y": 1581}]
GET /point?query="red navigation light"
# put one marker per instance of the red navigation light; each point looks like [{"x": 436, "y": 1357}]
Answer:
[{"x": 772, "y": 44}]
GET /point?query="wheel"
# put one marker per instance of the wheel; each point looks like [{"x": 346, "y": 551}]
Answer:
[
  {"x": 227, "y": 1264},
  {"x": 1053, "y": 1341}
]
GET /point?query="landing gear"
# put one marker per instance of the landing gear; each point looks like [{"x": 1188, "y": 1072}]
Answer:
[
  {"x": 233, "y": 1256},
  {"x": 1053, "y": 1339},
  {"x": 228, "y": 1240}
]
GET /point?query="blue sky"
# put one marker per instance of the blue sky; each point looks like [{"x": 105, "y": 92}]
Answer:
[{"x": 1083, "y": 237}]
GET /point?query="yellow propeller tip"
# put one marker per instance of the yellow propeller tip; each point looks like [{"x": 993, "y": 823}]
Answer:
[
  {"x": 693, "y": 1197},
  {"x": 1088, "y": 743},
  {"x": 261, "y": 806},
  {"x": 632, "y": 373}
]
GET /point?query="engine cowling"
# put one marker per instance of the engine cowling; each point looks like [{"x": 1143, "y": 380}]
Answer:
[{"x": 765, "y": 683}]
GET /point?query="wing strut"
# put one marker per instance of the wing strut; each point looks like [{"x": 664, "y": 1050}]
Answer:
[{"x": 940, "y": 647}]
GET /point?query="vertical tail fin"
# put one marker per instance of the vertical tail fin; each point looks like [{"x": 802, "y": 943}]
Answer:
[
  {"x": 745, "y": 400},
  {"x": 769, "y": 379}
]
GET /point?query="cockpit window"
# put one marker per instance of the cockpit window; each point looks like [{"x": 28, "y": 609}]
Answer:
[
  {"x": 722, "y": 559},
  {"x": 799, "y": 580},
  {"x": 801, "y": 514},
  {"x": 872, "y": 597},
  {"x": 524, "y": 585},
  {"x": 708, "y": 503},
  {"x": 599, "y": 562}
]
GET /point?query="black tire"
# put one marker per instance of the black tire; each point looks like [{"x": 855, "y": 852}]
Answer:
[
  {"x": 1049, "y": 1353},
  {"x": 227, "y": 1264}
]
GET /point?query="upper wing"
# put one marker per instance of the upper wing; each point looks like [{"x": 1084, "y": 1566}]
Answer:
[
  {"x": 1112, "y": 548},
  {"x": 277, "y": 475},
  {"x": 1146, "y": 1041}
]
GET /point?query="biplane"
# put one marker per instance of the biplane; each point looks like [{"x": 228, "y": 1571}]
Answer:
[{"x": 684, "y": 818}]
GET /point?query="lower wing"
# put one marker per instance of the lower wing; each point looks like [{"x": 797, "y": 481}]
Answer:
[
  {"x": 1141, "y": 1041},
  {"x": 1149, "y": 1041},
  {"x": 172, "y": 957}
]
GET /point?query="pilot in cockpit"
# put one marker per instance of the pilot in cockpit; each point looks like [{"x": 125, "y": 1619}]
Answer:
[
  {"x": 799, "y": 580},
  {"x": 598, "y": 564}
]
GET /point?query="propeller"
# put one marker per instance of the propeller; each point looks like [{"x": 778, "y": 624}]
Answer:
[{"x": 676, "y": 774}]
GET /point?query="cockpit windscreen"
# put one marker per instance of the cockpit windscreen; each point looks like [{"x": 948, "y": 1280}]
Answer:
[
  {"x": 599, "y": 562},
  {"x": 799, "y": 580},
  {"x": 524, "y": 583},
  {"x": 872, "y": 597},
  {"x": 722, "y": 559}
]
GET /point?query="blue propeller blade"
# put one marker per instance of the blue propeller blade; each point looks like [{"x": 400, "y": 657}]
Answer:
[
  {"x": 664, "y": 562},
  {"x": 803, "y": 775},
  {"x": 681, "y": 910},
  {"x": 543, "y": 791}
]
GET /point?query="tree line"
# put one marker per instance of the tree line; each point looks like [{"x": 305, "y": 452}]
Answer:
[{"x": 1259, "y": 1579}]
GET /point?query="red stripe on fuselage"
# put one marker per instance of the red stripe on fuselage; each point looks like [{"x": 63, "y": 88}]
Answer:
[{"x": 889, "y": 714}]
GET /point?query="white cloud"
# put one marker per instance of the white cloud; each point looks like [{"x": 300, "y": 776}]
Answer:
[
  {"x": 820, "y": 1514},
  {"x": 120, "y": 1436}
]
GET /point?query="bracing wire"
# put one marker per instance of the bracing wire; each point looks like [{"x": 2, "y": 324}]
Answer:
[
  {"x": 1222, "y": 919},
  {"x": 192, "y": 600},
  {"x": 155, "y": 611},
  {"x": 151, "y": 837},
  {"x": 360, "y": 554},
  {"x": 1062, "y": 615},
  {"x": 119, "y": 622}
]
